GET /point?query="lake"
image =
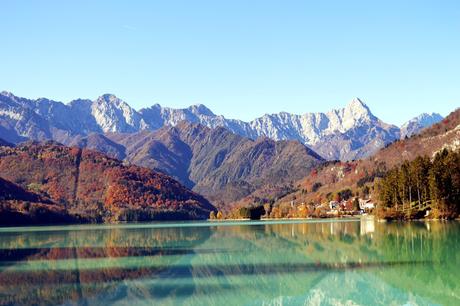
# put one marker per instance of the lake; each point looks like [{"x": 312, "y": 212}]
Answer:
[{"x": 317, "y": 262}]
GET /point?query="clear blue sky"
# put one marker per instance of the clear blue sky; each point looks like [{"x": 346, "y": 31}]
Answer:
[{"x": 240, "y": 58}]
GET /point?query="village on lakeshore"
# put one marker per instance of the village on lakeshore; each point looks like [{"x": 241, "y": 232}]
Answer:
[{"x": 352, "y": 207}]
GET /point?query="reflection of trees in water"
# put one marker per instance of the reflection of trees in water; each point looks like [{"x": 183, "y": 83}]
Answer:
[
  {"x": 213, "y": 264},
  {"x": 437, "y": 241},
  {"x": 54, "y": 286},
  {"x": 391, "y": 251},
  {"x": 104, "y": 237}
]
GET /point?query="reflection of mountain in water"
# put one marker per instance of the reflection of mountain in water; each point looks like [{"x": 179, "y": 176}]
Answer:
[
  {"x": 337, "y": 263},
  {"x": 351, "y": 288}
]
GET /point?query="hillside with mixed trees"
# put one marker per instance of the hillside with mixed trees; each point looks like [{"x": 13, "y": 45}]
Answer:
[
  {"x": 87, "y": 186},
  {"x": 343, "y": 180},
  {"x": 21, "y": 206}
]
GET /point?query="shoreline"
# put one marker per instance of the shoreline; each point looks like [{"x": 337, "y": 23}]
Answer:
[
  {"x": 210, "y": 222},
  {"x": 167, "y": 224}
]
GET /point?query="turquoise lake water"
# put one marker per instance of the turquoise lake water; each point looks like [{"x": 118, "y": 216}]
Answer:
[{"x": 317, "y": 262}]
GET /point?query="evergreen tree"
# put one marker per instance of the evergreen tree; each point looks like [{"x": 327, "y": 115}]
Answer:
[{"x": 423, "y": 181}]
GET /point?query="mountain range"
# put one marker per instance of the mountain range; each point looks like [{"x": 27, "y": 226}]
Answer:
[
  {"x": 348, "y": 133},
  {"x": 150, "y": 159}
]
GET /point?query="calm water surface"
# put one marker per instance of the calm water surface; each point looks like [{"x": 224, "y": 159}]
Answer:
[{"x": 274, "y": 263}]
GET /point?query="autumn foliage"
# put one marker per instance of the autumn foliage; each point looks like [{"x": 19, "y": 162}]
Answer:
[{"x": 93, "y": 186}]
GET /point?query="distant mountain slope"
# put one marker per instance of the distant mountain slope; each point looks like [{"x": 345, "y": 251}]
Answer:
[
  {"x": 333, "y": 177},
  {"x": 215, "y": 162},
  {"x": 415, "y": 125},
  {"x": 347, "y": 133},
  {"x": 89, "y": 184}
]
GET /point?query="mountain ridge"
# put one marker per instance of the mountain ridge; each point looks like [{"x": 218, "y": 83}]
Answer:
[{"x": 346, "y": 133}]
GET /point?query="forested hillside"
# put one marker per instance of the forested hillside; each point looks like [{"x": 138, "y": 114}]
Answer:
[
  {"x": 96, "y": 188},
  {"x": 420, "y": 183}
]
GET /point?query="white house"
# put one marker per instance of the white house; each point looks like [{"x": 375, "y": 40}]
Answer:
[{"x": 366, "y": 204}]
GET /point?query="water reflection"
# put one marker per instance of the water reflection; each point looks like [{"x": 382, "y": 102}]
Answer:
[{"x": 265, "y": 264}]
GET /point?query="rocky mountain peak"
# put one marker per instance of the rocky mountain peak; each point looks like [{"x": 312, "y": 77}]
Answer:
[
  {"x": 110, "y": 98},
  {"x": 200, "y": 109},
  {"x": 7, "y": 94},
  {"x": 156, "y": 105},
  {"x": 115, "y": 115},
  {"x": 357, "y": 101},
  {"x": 428, "y": 118},
  {"x": 358, "y": 108}
]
